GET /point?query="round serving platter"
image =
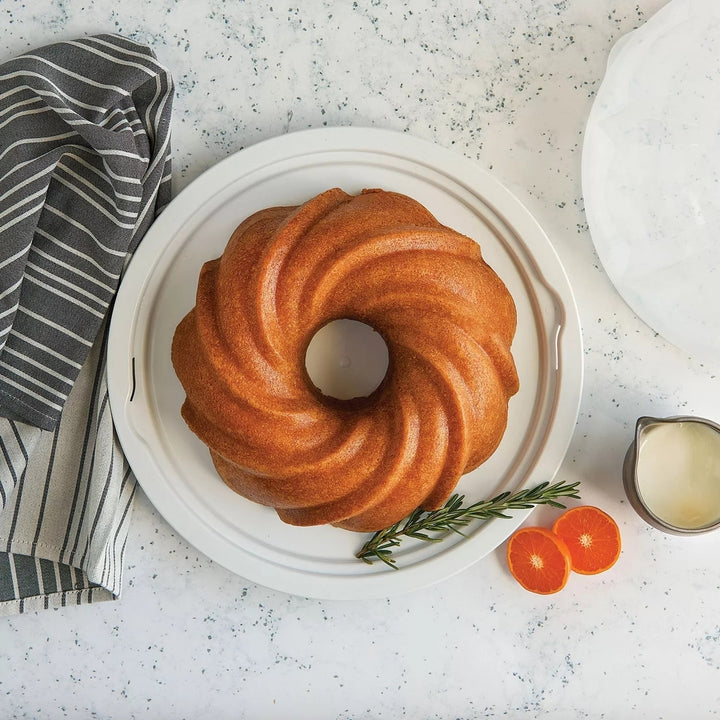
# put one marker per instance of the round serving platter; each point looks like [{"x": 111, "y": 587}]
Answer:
[{"x": 158, "y": 289}]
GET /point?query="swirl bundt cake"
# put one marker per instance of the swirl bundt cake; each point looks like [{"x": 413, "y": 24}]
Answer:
[{"x": 380, "y": 258}]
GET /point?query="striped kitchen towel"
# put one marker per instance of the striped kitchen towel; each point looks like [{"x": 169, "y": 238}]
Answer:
[{"x": 84, "y": 170}]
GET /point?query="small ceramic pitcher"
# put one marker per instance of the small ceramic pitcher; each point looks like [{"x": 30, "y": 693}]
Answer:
[{"x": 633, "y": 487}]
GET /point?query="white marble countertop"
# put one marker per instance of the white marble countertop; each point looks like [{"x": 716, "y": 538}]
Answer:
[{"x": 510, "y": 85}]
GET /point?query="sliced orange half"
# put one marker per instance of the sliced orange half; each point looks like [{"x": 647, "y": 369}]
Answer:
[
  {"x": 539, "y": 560},
  {"x": 592, "y": 537}
]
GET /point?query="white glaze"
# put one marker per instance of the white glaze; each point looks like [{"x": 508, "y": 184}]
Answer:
[{"x": 678, "y": 473}]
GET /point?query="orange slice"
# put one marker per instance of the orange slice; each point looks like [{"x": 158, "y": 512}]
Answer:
[
  {"x": 592, "y": 537},
  {"x": 539, "y": 560}
]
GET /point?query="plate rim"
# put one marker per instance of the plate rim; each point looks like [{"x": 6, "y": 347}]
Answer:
[{"x": 356, "y": 139}]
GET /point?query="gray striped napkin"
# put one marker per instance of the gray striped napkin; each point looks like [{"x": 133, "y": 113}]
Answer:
[{"x": 84, "y": 170}]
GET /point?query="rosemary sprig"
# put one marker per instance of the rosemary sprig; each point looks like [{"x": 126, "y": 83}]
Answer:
[{"x": 452, "y": 516}]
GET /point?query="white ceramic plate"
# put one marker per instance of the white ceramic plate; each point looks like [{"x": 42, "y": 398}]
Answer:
[
  {"x": 174, "y": 467},
  {"x": 651, "y": 174}
]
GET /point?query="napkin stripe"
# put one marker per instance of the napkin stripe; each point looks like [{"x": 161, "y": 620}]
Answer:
[
  {"x": 24, "y": 577},
  {"x": 11, "y": 461},
  {"x": 23, "y": 457},
  {"x": 96, "y": 515},
  {"x": 46, "y": 489},
  {"x": 40, "y": 140},
  {"x": 95, "y": 189},
  {"x": 127, "y": 52},
  {"x": 86, "y": 487},
  {"x": 110, "y": 562},
  {"x": 55, "y": 94},
  {"x": 38, "y": 272},
  {"x": 75, "y": 518},
  {"x": 95, "y": 242},
  {"x": 88, "y": 47},
  {"x": 76, "y": 76},
  {"x": 24, "y": 113},
  {"x": 74, "y": 270}
]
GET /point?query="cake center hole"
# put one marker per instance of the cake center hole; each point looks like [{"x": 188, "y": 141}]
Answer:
[{"x": 346, "y": 359}]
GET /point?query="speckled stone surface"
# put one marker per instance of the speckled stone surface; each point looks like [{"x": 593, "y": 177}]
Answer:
[{"x": 509, "y": 85}]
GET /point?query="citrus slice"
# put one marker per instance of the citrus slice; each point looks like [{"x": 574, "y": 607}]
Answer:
[
  {"x": 592, "y": 537},
  {"x": 539, "y": 560}
]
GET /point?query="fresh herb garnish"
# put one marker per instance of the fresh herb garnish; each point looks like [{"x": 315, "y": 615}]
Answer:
[{"x": 452, "y": 516}]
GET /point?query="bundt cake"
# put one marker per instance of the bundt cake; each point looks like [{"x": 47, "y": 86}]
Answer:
[{"x": 381, "y": 258}]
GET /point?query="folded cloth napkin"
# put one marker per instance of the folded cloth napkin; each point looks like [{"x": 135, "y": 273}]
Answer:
[{"x": 84, "y": 170}]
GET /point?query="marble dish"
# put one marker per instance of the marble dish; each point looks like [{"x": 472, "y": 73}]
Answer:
[{"x": 651, "y": 173}]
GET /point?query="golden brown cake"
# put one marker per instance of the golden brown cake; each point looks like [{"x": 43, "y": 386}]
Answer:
[{"x": 380, "y": 258}]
